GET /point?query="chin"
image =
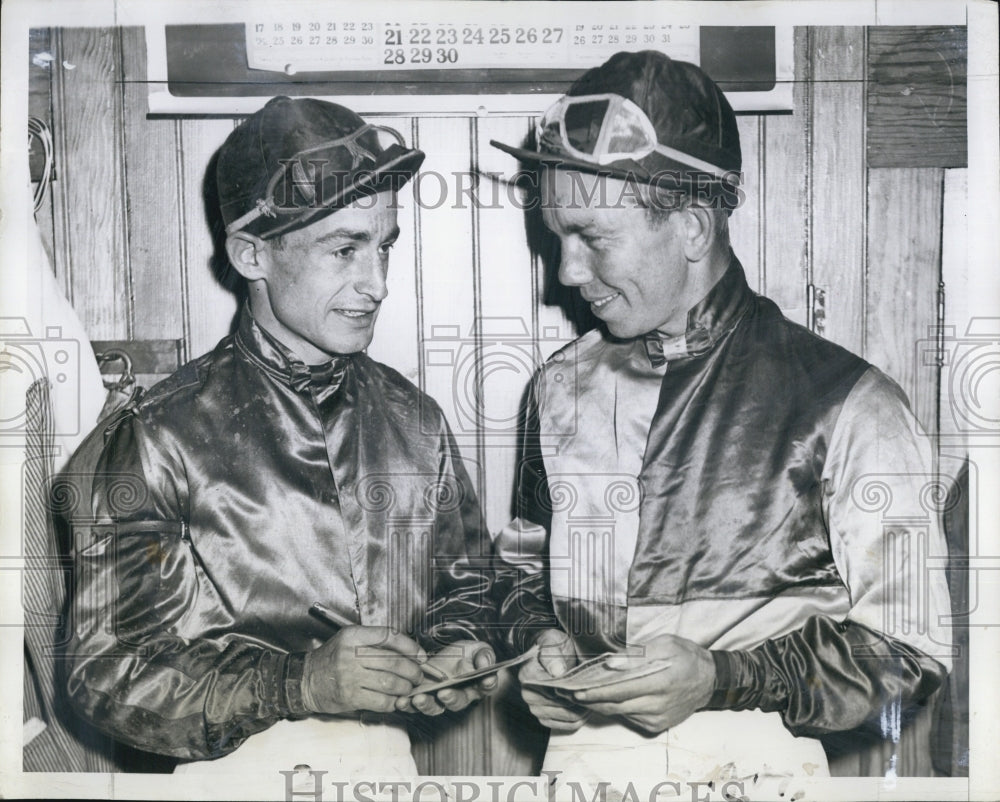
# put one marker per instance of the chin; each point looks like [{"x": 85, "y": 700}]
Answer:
[
  {"x": 349, "y": 345},
  {"x": 622, "y": 331}
]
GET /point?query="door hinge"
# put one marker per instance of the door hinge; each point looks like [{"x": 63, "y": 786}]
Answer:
[
  {"x": 939, "y": 345},
  {"x": 816, "y": 309}
]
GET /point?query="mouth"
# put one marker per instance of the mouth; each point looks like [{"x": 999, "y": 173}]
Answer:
[
  {"x": 356, "y": 314},
  {"x": 599, "y": 303}
]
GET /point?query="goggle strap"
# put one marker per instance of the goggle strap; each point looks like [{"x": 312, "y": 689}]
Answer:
[
  {"x": 615, "y": 103},
  {"x": 691, "y": 161},
  {"x": 259, "y": 210},
  {"x": 265, "y": 206},
  {"x": 616, "y": 106}
]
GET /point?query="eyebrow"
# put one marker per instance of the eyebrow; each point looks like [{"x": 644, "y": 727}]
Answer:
[
  {"x": 352, "y": 236},
  {"x": 588, "y": 226}
]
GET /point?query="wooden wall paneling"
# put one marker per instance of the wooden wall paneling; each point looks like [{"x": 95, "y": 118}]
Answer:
[
  {"x": 397, "y": 332},
  {"x": 153, "y": 219},
  {"x": 447, "y": 272},
  {"x": 745, "y": 223},
  {"x": 506, "y": 311},
  {"x": 917, "y": 96},
  {"x": 510, "y": 358},
  {"x": 57, "y": 193},
  {"x": 786, "y": 197},
  {"x": 211, "y": 307},
  {"x": 904, "y": 255},
  {"x": 448, "y": 276},
  {"x": 90, "y": 245},
  {"x": 557, "y": 313},
  {"x": 40, "y": 106},
  {"x": 955, "y": 274},
  {"x": 838, "y": 179}
]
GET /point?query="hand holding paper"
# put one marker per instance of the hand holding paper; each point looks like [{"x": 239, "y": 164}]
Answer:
[
  {"x": 555, "y": 656},
  {"x": 672, "y": 679},
  {"x": 468, "y": 671}
]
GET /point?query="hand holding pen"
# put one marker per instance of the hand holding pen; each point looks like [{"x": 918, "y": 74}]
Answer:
[
  {"x": 333, "y": 617},
  {"x": 446, "y": 683},
  {"x": 361, "y": 668}
]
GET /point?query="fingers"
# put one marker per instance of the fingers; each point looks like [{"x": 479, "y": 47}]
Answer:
[
  {"x": 374, "y": 701},
  {"x": 625, "y": 690},
  {"x": 559, "y": 719},
  {"x": 391, "y": 662},
  {"x": 488, "y": 685},
  {"x": 557, "y": 716},
  {"x": 455, "y": 699},
  {"x": 404, "y": 645},
  {"x": 484, "y": 657},
  {"x": 424, "y": 703},
  {"x": 639, "y": 706},
  {"x": 385, "y": 682},
  {"x": 555, "y": 652},
  {"x": 384, "y": 639},
  {"x": 625, "y": 662},
  {"x": 532, "y": 670},
  {"x": 562, "y": 727}
]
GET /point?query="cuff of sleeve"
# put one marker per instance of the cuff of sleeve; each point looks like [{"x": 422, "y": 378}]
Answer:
[
  {"x": 292, "y": 685},
  {"x": 280, "y": 684},
  {"x": 738, "y": 681},
  {"x": 522, "y": 636}
]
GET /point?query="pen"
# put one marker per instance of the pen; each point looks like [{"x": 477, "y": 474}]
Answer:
[{"x": 335, "y": 618}]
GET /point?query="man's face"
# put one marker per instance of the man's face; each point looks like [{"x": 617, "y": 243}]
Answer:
[
  {"x": 323, "y": 287},
  {"x": 632, "y": 271}
]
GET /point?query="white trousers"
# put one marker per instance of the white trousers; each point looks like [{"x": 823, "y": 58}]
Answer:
[
  {"x": 710, "y": 746},
  {"x": 348, "y": 748}
]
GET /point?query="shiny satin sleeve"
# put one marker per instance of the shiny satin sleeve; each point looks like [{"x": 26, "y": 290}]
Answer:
[
  {"x": 522, "y": 577},
  {"x": 462, "y": 605},
  {"x": 826, "y": 677},
  {"x": 894, "y": 648},
  {"x": 129, "y": 672}
]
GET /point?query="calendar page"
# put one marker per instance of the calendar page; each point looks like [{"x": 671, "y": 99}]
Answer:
[
  {"x": 446, "y": 57},
  {"x": 317, "y": 44}
]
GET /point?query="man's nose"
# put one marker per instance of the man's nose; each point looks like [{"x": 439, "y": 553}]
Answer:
[
  {"x": 574, "y": 270},
  {"x": 371, "y": 280}
]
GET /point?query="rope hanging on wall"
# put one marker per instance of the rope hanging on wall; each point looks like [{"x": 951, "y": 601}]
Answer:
[{"x": 37, "y": 129}]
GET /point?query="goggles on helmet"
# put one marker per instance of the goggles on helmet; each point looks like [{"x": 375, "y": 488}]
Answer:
[
  {"x": 350, "y": 162},
  {"x": 605, "y": 128}
]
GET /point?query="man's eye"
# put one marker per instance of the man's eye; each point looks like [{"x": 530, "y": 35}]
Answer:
[
  {"x": 345, "y": 253},
  {"x": 385, "y": 247},
  {"x": 593, "y": 240}
]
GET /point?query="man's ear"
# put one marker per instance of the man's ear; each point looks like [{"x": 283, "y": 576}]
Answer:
[
  {"x": 248, "y": 254},
  {"x": 699, "y": 232}
]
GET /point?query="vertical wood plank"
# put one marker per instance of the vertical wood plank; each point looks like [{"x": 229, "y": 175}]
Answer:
[
  {"x": 786, "y": 197},
  {"x": 917, "y": 103},
  {"x": 92, "y": 239},
  {"x": 60, "y": 212},
  {"x": 745, "y": 222},
  {"x": 955, "y": 274},
  {"x": 904, "y": 230},
  {"x": 509, "y": 329},
  {"x": 211, "y": 306},
  {"x": 511, "y": 356},
  {"x": 40, "y": 106},
  {"x": 448, "y": 276},
  {"x": 448, "y": 284},
  {"x": 153, "y": 217},
  {"x": 397, "y": 332},
  {"x": 838, "y": 179}
]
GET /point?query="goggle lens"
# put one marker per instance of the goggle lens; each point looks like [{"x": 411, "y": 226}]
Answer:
[
  {"x": 602, "y": 129},
  {"x": 583, "y": 124}
]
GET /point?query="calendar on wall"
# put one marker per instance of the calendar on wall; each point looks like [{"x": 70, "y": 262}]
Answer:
[
  {"x": 318, "y": 45},
  {"x": 448, "y": 58}
]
